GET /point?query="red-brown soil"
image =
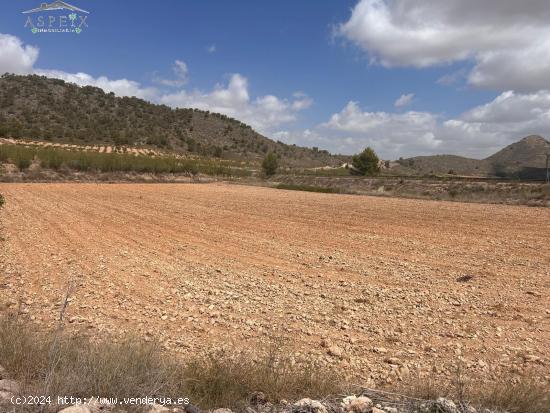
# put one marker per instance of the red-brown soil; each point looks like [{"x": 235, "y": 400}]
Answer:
[{"x": 375, "y": 286}]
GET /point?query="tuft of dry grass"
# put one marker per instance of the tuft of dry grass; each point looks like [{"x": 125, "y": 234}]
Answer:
[
  {"x": 230, "y": 379},
  {"x": 527, "y": 396}
]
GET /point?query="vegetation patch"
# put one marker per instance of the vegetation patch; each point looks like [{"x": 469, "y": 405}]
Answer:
[
  {"x": 309, "y": 188},
  {"x": 58, "y": 158},
  {"x": 366, "y": 163},
  {"x": 270, "y": 164},
  {"x": 323, "y": 172}
]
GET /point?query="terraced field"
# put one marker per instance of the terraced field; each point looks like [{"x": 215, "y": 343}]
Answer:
[{"x": 381, "y": 288}]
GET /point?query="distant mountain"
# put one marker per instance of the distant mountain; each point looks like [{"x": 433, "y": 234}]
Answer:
[
  {"x": 528, "y": 152},
  {"x": 40, "y": 108},
  {"x": 523, "y": 159}
]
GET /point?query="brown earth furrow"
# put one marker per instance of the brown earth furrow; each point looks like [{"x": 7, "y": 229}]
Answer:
[{"x": 197, "y": 267}]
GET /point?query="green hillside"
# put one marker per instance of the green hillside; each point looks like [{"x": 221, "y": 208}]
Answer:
[{"x": 39, "y": 108}]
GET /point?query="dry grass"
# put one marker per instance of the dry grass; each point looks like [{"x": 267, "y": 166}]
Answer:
[
  {"x": 55, "y": 364},
  {"x": 527, "y": 396},
  {"x": 230, "y": 380}
]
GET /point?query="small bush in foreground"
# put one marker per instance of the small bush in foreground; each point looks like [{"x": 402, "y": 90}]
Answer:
[{"x": 2, "y": 200}]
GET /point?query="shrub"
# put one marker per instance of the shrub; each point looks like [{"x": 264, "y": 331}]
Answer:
[
  {"x": 23, "y": 163},
  {"x": 2, "y": 200},
  {"x": 366, "y": 163},
  {"x": 453, "y": 192},
  {"x": 270, "y": 164}
]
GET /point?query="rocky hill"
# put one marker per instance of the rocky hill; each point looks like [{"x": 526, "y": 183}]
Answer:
[
  {"x": 523, "y": 159},
  {"x": 39, "y": 108},
  {"x": 525, "y": 155}
]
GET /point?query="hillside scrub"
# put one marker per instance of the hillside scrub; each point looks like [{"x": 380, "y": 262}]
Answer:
[
  {"x": 270, "y": 164},
  {"x": 88, "y": 115}
]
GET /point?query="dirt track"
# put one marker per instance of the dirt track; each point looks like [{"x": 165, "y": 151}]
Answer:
[{"x": 368, "y": 284}]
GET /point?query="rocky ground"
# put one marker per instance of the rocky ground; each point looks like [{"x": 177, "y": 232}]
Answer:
[{"x": 380, "y": 288}]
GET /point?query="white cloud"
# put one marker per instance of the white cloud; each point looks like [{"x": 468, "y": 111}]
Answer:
[
  {"x": 453, "y": 78},
  {"x": 120, "y": 87},
  {"x": 510, "y": 116},
  {"x": 181, "y": 73},
  {"x": 353, "y": 119},
  {"x": 16, "y": 57},
  {"x": 263, "y": 113},
  {"x": 404, "y": 100},
  {"x": 508, "y": 40},
  {"x": 301, "y": 101},
  {"x": 211, "y": 49},
  {"x": 390, "y": 133},
  {"x": 522, "y": 69},
  {"x": 477, "y": 133}
]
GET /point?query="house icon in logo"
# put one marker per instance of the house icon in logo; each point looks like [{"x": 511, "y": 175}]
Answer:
[{"x": 56, "y": 5}]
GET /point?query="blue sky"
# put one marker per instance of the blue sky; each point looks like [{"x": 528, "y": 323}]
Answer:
[{"x": 325, "y": 73}]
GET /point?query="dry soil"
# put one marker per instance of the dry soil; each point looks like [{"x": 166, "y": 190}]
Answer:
[{"x": 381, "y": 288}]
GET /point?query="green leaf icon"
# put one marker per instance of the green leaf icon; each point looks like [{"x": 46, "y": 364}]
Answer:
[
  {"x": 78, "y": 30},
  {"x": 34, "y": 30}
]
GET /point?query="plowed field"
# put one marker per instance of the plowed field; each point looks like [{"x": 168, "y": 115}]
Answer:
[{"x": 380, "y": 287}]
